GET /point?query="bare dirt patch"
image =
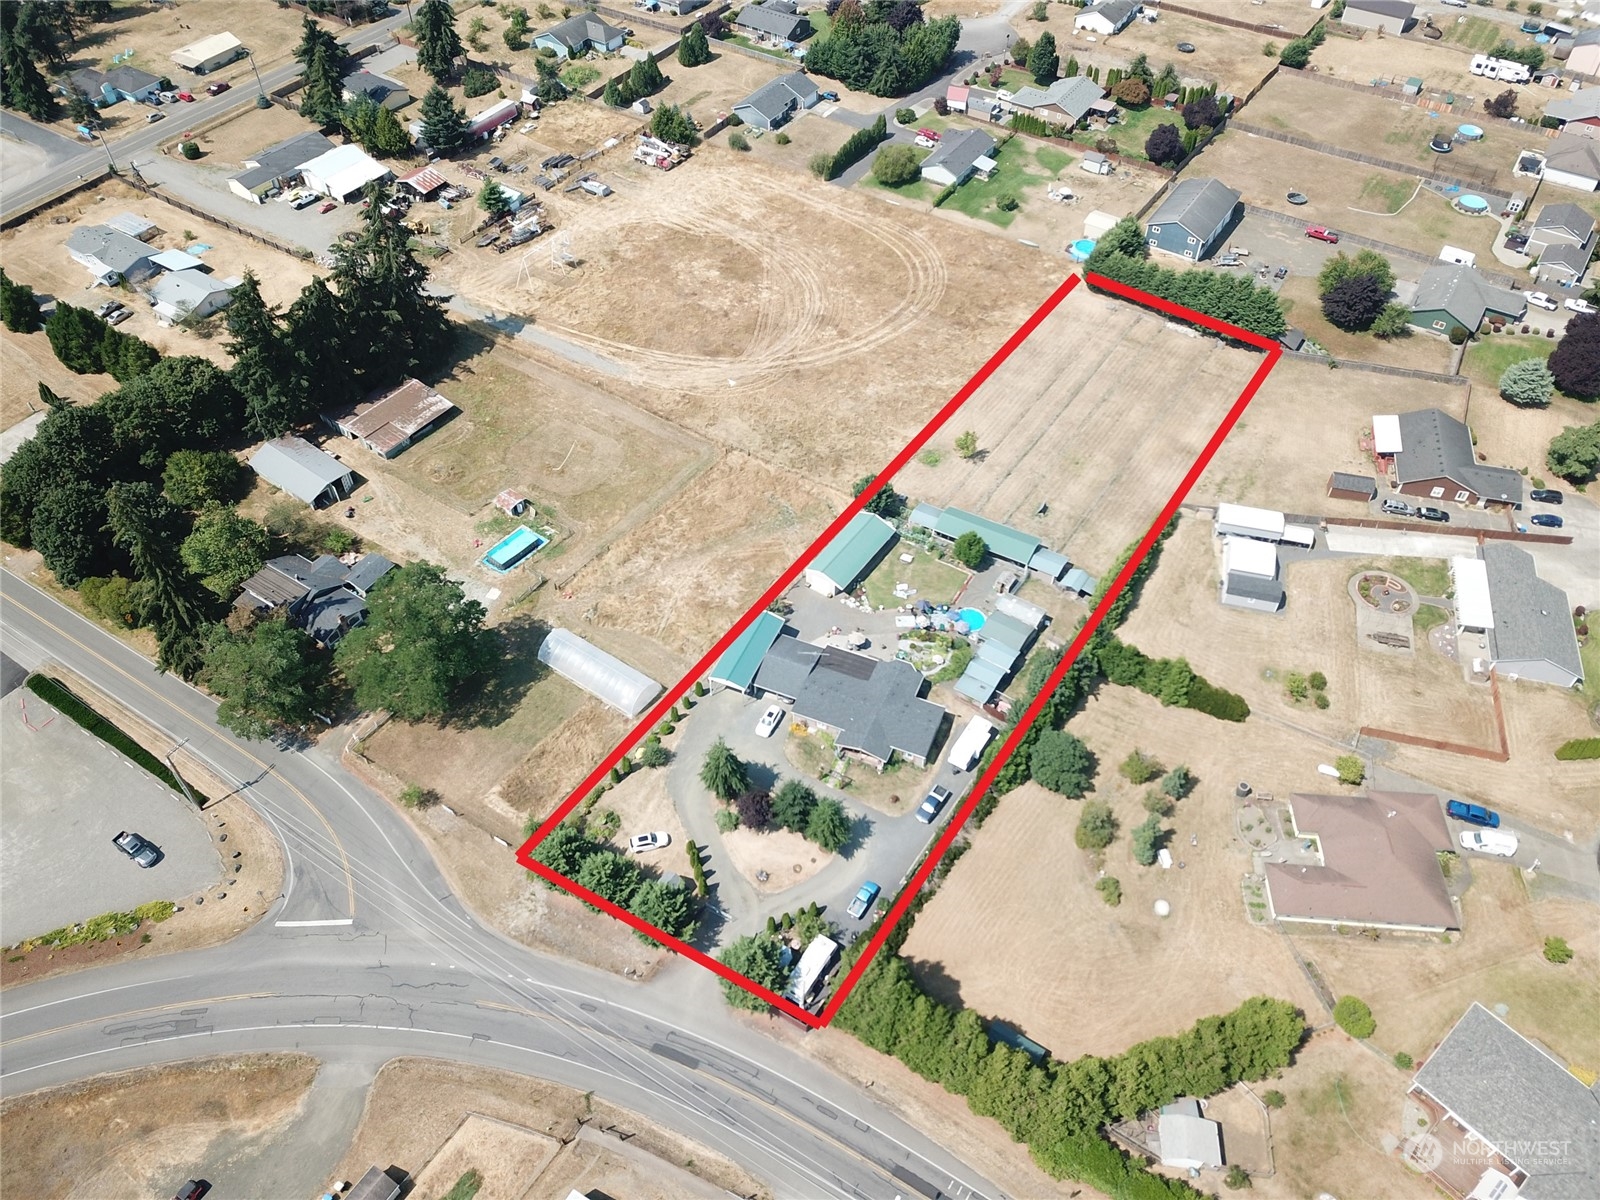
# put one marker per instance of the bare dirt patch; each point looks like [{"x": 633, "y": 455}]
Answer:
[
  {"x": 127, "y": 1134},
  {"x": 415, "y": 1112},
  {"x": 26, "y": 361},
  {"x": 1442, "y": 68},
  {"x": 1520, "y": 437},
  {"x": 787, "y": 858},
  {"x": 1024, "y": 886},
  {"x": 712, "y": 89}
]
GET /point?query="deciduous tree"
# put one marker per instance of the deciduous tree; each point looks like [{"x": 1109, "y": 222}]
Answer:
[
  {"x": 1062, "y": 763},
  {"x": 1576, "y": 361},
  {"x": 887, "y": 503},
  {"x": 224, "y": 549},
  {"x": 1133, "y": 91},
  {"x": 1202, "y": 113},
  {"x": 754, "y": 807},
  {"x": 268, "y": 678},
  {"x": 422, "y": 642},
  {"x": 1354, "y": 304},
  {"x": 194, "y": 478},
  {"x": 1354, "y": 1017},
  {"x": 896, "y": 166},
  {"x": 759, "y": 960},
  {"x": 1097, "y": 828},
  {"x": 970, "y": 549}
]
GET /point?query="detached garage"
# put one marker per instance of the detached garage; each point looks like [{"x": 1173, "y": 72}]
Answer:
[{"x": 854, "y": 552}]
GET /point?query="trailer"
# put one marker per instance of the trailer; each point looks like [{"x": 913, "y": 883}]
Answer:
[
  {"x": 964, "y": 750},
  {"x": 1240, "y": 520},
  {"x": 812, "y": 970}
]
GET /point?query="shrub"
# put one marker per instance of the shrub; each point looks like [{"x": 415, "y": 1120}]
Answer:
[
  {"x": 1403, "y": 1060},
  {"x": 1237, "y": 1177},
  {"x": 967, "y": 444},
  {"x": 820, "y": 164},
  {"x": 1159, "y": 804},
  {"x": 654, "y": 754},
  {"x": 735, "y": 121},
  {"x": 697, "y": 867},
  {"x": 783, "y": 139},
  {"x": 1556, "y": 950},
  {"x": 1097, "y": 828},
  {"x": 1062, "y": 763},
  {"x": 1578, "y": 748},
  {"x": 904, "y": 116},
  {"x": 1351, "y": 769},
  {"x": 727, "y": 820},
  {"x": 738, "y": 141},
  {"x": 969, "y": 550},
  {"x": 1354, "y": 1017},
  {"x": 1147, "y": 838},
  {"x": 1528, "y": 383},
  {"x": 1318, "y": 681},
  {"x": 1321, "y": 700},
  {"x": 190, "y": 150},
  {"x": 1273, "y": 1098},
  {"x": 1177, "y": 782},
  {"x": 896, "y": 166},
  {"x": 1110, "y": 889},
  {"x": 414, "y": 796},
  {"x": 1139, "y": 767},
  {"x": 478, "y": 82}
]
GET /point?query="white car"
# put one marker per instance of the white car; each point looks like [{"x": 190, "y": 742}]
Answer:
[
  {"x": 1489, "y": 841},
  {"x": 1540, "y": 300},
  {"x": 927, "y": 143},
  {"x": 640, "y": 842},
  {"x": 1454, "y": 3},
  {"x": 769, "y": 721},
  {"x": 1579, "y": 306}
]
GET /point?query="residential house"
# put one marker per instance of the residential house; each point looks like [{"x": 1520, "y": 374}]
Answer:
[
  {"x": 1187, "y": 1139},
  {"x": 851, "y": 555},
  {"x": 1386, "y": 16},
  {"x": 772, "y": 104},
  {"x": 775, "y": 19},
  {"x": 294, "y": 465},
  {"x": 1436, "y": 460},
  {"x": 1192, "y": 218},
  {"x": 390, "y": 93},
  {"x": 342, "y": 172},
  {"x": 1573, "y": 160},
  {"x": 955, "y": 97},
  {"x": 1451, "y": 297},
  {"x": 111, "y": 256},
  {"x": 872, "y": 708},
  {"x": 1509, "y": 1118},
  {"x": 985, "y": 106},
  {"x": 1578, "y": 112},
  {"x": 178, "y": 295},
  {"x": 327, "y": 598},
  {"x": 1562, "y": 238},
  {"x": 1582, "y": 52},
  {"x": 1523, "y": 624},
  {"x": 120, "y": 83},
  {"x": 1107, "y": 17},
  {"x": 1064, "y": 102},
  {"x": 960, "y": 155},
  {"x": 275, "y": 168},
  {"x": 576, "y": 36},
  {"x": 1372, "y": 861},
  {"x": 386, "y": 422},
  {"x": 209, "y": 53}
]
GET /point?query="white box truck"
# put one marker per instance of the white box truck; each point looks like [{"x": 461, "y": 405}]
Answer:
[{"x": 964, "y": 750}]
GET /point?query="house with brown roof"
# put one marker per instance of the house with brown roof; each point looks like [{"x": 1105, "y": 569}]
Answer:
[
  {"x": 1372, "y": 861},
  {"x": 387, "y": 422}
]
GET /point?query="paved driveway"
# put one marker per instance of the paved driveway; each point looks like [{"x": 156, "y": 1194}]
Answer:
[
  {"x": 66, "y": 794},
  {"x": 883, "y": 849}
]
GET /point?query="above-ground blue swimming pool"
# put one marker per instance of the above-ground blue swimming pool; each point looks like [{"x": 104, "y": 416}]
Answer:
[
  {"x": 1081, "y": 249},
  {"x": 510, "y": 550},
  {"x": 973, "y": 618}
]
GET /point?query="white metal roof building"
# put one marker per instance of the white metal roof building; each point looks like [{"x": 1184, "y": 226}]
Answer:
[
  {"x": 1386, "y": 434},
  {"x": 342, "y": 171},
  {"x": 1240, "y": 520},
  {"x": 1249, "y": 557},
  {"x": 1469, "y": 577},
  {"x": 1187, "y": 1139},
  {"x": 607, "y": 678},
  {"x": 209, "y": 53}
]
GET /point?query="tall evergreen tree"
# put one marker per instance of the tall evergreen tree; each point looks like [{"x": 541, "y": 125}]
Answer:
[
  {"x": 74, "y": 442},
  {"x": 321, "y": 100},
  {"x": 444, "y": 124},
  {"x": 261, "y": 371},
  {"x": 317, "y": 369},
  {"x": 394, "y": 327},
  {"x": 38, "y": 34},
  {"x": 22, "y": 87},
  {"x": 181, "y": 402},
  {"x": 438, "y": 44},
  {"x": 145, "y": 524},
  {"x": 68, "y": 530},
  {"x": 389, "y": 137},
  {"x": 19, "y": 307},
  {"x": 1043, "y": 60},
  {"x": 694, "y": 50}
]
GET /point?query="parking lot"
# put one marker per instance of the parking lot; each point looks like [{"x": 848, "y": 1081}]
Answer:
[{"x": 66, "y": 795}]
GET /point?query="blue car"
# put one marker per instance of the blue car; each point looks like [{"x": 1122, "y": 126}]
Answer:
[
  {"x": 1473, "y": 814},
  {"x": 1546, "y": 520},
  {"x": 865, "y": 898}
]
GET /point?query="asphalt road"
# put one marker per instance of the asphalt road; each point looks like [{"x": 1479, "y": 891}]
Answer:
[
  {"x": 368, "y": 955},
  {"x": 89, "y": 158}
]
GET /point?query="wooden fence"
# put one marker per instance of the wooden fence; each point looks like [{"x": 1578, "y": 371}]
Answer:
[
  {"x": 1275, "y": 31},
  {"x": 204, "y": 215},
  {"x": 1355, "y": 364},
  {"x": 1466, "y": 177}
]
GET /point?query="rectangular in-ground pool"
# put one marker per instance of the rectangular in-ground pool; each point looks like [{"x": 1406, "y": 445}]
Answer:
[{"x": 510, "y": 550}]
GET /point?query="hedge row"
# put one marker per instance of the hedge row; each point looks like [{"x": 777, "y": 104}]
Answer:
[
  {"x": 857, "y": 146},
  {"x": 1171, "y": 680},
  {"x": 1579, "y": 748},
  {"x": 54, "y": 693},
  {"x": 1057, "y": 1108}
]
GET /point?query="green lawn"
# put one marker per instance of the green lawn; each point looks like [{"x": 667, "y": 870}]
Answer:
[
  {"x": 1135, "y": 128},
  {"x": 1487, "y": 358},
  {"x": 1019, "y": 170},
  {"x": 1589, "y": 655},
  {"x": 1477, "y": 33},
  {"x": 1389, "y": 193},
  {"x": 1052, "y": 159},
  {"x": 769, "y": 51},
  {"x": 936, "y": 582},
  {"x": 919, "y": 189}
]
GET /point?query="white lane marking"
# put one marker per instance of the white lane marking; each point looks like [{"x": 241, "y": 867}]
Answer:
[
  {"x": 17, "y": 1012},
  {"x": 303, "y": 924}
]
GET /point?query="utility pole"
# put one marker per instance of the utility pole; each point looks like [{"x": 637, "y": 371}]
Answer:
[
  {"x": 95, "y": 129},
  {"x": 261, "y": 90},
  {"x": 173, "y": 767}
]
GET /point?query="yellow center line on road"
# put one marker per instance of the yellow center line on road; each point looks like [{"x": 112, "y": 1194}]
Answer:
[
  {"x": 344, "y": 859},
  {"x": 137, "y": 1012}
]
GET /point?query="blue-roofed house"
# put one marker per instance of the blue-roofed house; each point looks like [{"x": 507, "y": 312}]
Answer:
[
  {"x": 856, "y": 549},
  {"x": 737, "y": 667}
]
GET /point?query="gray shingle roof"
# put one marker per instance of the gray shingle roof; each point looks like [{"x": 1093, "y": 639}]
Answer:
[
  {"x": 365, "y": 83},
  {"x": 1384, "y": 8},
  {"x": 1436, "y": 446},
  {"x": 1564, "y": 254},
  {"x": 958, "y": 151},
  {"x": 875, "y": 704},
  {"x": 1073, "y": 96},
  {"x": 1575, "y": 154},
  {"x": 1255, "y": 587},
  {"x": 1199, "y": 205},
  {"x": 576, "y": 32},
  {"x": 1532, "y": 618},
  {"x": 1118, "y": 12},
  {"x": 117, "y": 251},
  {"x": 1521, "y": 1101},
  {"x": 1465, "y": 295},
  {"x": 1566, "y": 218},
  {"x": 1584, "y": 105},
  {"x": 774, "y": 22},
  {"x": 1347, "y": 482},
  {"x": 297, "y": 467},
  {"x": 131, "y": 79},
  {"x": 283, "y": 159},
  {"x": 778, "y": 96}
]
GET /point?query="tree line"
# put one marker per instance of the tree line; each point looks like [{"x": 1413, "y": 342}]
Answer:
[
  {"x": 571, "y": 852},
  {"x": 883, "y": 47},
  {"x": 36, "y": 37},
  {"x": 1122, "y": 255}
]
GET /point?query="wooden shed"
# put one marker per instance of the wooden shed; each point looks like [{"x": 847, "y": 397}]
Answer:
[{"x": 1352, "y": 487}]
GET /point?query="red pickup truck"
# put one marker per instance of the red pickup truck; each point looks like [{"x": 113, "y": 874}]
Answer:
[{"x": 1321, "y": 234}]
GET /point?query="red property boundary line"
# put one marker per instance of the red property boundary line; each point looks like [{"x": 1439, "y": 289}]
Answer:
[{"x": 887, "y": 923}]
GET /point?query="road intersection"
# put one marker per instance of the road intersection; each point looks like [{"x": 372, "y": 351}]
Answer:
[{"x": 406, "y": 970}]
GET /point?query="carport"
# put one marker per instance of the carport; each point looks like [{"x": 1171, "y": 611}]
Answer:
[{"x": 737, "y": 667}]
